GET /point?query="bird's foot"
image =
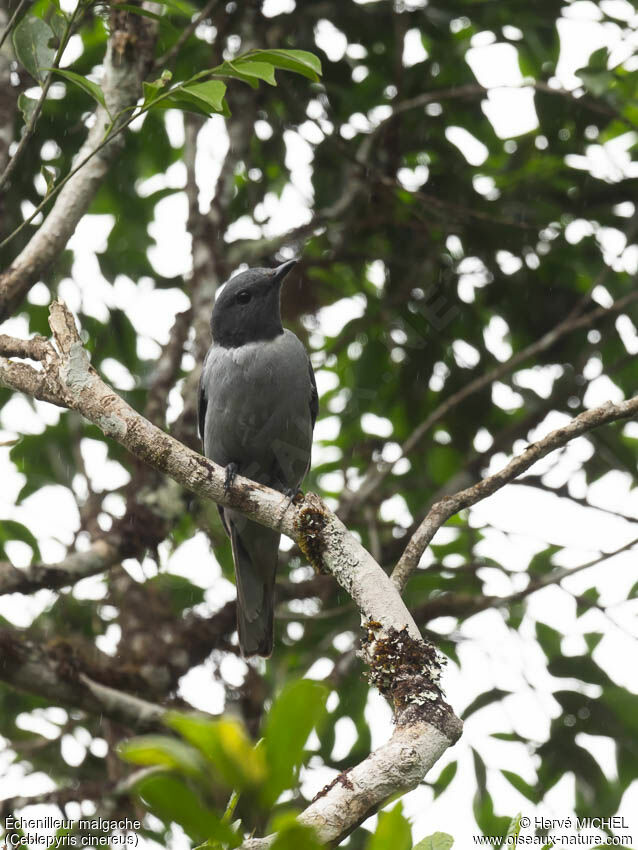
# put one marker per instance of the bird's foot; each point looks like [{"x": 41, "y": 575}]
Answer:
[
  {"x": 231, "y": 473},
  {"x": 295, "y": 496}
]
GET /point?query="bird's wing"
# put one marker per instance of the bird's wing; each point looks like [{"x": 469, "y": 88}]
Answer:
[
  {"x": 314, "y": 396},
  {"x": 202, "y": 401}
]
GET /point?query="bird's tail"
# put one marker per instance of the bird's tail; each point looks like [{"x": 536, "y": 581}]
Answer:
[{"x": 255, "y": 552}]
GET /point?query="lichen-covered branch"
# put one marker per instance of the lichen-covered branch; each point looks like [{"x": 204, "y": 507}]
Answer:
[
  {"x": 405, "y": 668},
  {"x": 445, "y": 508}
]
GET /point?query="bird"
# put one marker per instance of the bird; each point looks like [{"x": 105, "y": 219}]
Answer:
[{"x": 257, "y": 408}]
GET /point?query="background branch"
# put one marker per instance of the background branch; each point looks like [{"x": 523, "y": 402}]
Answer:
[
  {"x": 442, "y": 510},
  {"x": 426, "y": 725},
  {"x": 73, "y": 568},
  {"x": 128, "y": 53},
  {"x": 375, "y": 476}
]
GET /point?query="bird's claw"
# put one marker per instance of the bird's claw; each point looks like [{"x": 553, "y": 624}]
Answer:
[
  {"x": 231, "y": 474},
  {"x": 294, "y": 496}
]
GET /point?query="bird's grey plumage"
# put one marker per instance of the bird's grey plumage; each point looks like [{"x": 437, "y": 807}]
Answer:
[{"x": 257, "y": 410}]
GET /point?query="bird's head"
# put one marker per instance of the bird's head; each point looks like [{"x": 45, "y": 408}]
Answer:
[{"x": 247, "y": 309}]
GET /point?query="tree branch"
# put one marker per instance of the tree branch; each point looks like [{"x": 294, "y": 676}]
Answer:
[
  {"x": 376, "y": 476},
  {"x": 128, "y": 52},
  {"x": 463, "y": 605},
  {"x": 442, "y": 510},
  {"x": 31, "y": 668},
  {"x": 402, "y": 666},
  {"x": 73, "y": 568},
  {"x": 30, "y": 125},
  {"x": 8, "y": 93},
  {"x": 166, "y": 369},
  {"x": 167, "y": 57},
  {"x": 562, "y": 492}
]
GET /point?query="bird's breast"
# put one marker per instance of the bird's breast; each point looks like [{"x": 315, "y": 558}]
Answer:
[{"x": 258, "y": 407}]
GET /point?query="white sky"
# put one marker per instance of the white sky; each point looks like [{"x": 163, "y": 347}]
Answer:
[{"x": 491, "y": 655}]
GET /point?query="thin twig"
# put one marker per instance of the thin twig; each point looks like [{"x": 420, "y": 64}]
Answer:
[
  {"x": 464, "y": 604},
  {"x": 563, "y": 493},
  {"x": 12, "y": 20},
  {"x": 167, "y": 57},
  {"x": 35, "y": 115},
  {"x": 108, "y": 138},
  {"x": 375, "y": 478},
  {"x": 442, "y": 510}
]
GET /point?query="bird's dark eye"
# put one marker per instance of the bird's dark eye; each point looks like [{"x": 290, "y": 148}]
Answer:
[{"x": 243, "y": 297}]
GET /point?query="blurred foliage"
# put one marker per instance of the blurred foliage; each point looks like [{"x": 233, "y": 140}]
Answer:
[
  {"x": 433, "y": 264},
  {"x": 217, "y": 754}
]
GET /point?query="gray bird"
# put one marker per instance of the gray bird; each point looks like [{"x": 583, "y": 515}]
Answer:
[{"x": 257, "y": 410}]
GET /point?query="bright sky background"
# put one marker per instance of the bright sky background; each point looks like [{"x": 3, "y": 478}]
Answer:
[{"x": 492, "y": 655}]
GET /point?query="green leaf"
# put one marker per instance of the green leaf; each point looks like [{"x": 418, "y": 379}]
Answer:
[
  {"x": 597, "y": 83},
  {"x": 31, "y": 42},
  {"x": 26, "y": 105},
  {"x": 203, "y": 98},
  {"x": 181, "y": 592},
  {"x": 49, "y": 176},
  {"x": 300, "y": 61},
  {"x": 58, "y": 24},
  {"x": 514, "y": 828},
  {"x": 224, "y": 744},
  {"x": 85, "y": 84},
  {"x": 292, "y": 717},
  {"x": 154, "y": 89},
  {"x": 549, "y": 639},
  {"x": 248, "y": 71},
  {"x": 140, "y": 10},
  {"x": 509, "y": 736},
  {"x": 482, "y": 700},
  {"x": 230, "y": 807},
  {"x": 163, "y": 751},
  {"x": 211, "y": 93},
  {"x": 170, "y": 799},
  {"x": 181, "y": 7},
  {"x": 445, "y": 777},
  {"x": 292, "y": 835},
  {"x": 393, "y": 830},
  {"x": 599, "y": 59},
  {"x": 436, "y": 841},
  {"x": 12, "y": 530},
  {"x": 541, "y": 563}
]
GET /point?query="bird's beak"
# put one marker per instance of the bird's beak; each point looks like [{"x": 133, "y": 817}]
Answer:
[{"x": 281, "y": 271}]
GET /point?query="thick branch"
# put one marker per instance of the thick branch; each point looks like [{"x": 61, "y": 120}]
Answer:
[
  {"x": 442, "y": 510},
  {"x": 76, "y": 566},
  {"x": 29, "y": 667},
  {"x": 425, "y": 723},
  {"x": 35, "y": 348}
]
